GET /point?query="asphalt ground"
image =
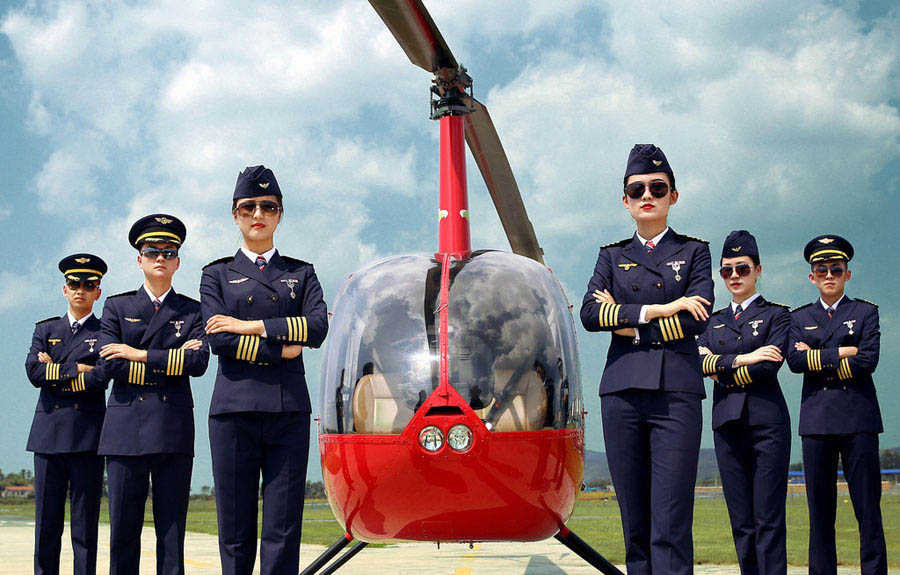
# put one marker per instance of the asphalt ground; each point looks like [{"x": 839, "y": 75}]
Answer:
[{"x": 202, "y": 556}]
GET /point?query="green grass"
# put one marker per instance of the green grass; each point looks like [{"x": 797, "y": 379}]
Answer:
[{"x": 598, "y": 523}]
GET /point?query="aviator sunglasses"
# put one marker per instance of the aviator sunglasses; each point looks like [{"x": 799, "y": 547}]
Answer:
[
  {"x": 836, "y": 270},
  {"x": 658, "y": 189},
  {"x": 268, "y": 208},
  {"x": 153, "y": 253},
  {"x": 743, "y": 270},
  {"x": 86, "y": 286}
]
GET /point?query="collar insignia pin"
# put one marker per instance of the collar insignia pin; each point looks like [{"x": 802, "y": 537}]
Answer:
[
  {"x": 91, "y": 343},
  {"x": 849, "y": 325},
  {"x": 291, "y": 282},
  {"x": 676, "y": 267},
  {"x": 177, "y": 323}
]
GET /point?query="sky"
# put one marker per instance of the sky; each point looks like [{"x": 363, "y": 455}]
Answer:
[{"x": 777, "y": 117}]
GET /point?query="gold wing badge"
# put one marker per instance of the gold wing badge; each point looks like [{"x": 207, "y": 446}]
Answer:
[{"x": 627, "y": 267}]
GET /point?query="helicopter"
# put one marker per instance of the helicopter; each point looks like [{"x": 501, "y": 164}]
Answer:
[{"x": 451, "y": 406}]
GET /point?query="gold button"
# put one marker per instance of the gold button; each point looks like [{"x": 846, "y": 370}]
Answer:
[
  {"x": 55, "y": 407},
  {"x": 249, "y": 299},
  {"x": 274, "y": 298},
  {"x": 141, "y": 398},
  {"x": 825, "y": 388},
  {"x": 165, "y": 398}
]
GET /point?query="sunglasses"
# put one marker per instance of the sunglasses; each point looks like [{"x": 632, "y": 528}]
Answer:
[
  {"x": 836, "y": 270},
  {"x": 635, "y": 190},
  {"x": 742, "y": 270},
  {"x": 268, "y": 208},
  {"x": 86, "y": 286},
  {"x": 153, "y": 253}
]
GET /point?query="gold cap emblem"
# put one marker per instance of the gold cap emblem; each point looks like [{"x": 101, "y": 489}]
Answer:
[
  {"x": 826, "y": 240},
  {"x": 737, "y": 249},
  {"x": 264, "y": 185},
  {"x": 164, "y": 221},
  {"x": 82, "y": 260},
  {"x": 657, "y": 162}
]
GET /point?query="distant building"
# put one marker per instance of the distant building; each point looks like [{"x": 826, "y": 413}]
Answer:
[{"x": 20, "y": 491}]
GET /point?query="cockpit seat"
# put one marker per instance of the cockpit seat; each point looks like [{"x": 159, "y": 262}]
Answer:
[
  {"x": 374, "y": 407},
  {"x": 525, "y": 407}
]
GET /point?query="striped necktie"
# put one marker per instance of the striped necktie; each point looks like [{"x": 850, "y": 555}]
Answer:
[
  {"x": 156, "y": 304},
  {"x": 830, "y": 312},
  {"x": 738, "y": 311},
  {"x": 261, "y": 263},
  {"x": 649, "y": 246},
  {"x": 75, "y": 326}
]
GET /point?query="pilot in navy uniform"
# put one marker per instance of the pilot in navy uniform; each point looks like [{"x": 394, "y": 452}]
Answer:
[
  {"x": 834, "y": 343},
  {"x": 742, "y": 349},
  {"x": 152, "y": 342},
  {"x": 653, "y": 291},
  {"x": 261, "y": 309},
  {"x": 67, "y": 421}
]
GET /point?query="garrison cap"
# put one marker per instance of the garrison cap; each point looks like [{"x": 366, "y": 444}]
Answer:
[
  {"x": 256, "y": 181},
  {"x": 157, "y": 228},
  {"x": 828, "y": 247},
  {"x": 82, "y": 267},
  {"x": 740, "y": 243},
  {"x": 647, "y": 159}
]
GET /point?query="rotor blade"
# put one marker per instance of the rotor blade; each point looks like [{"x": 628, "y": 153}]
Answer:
[
  {"x": 485, "y": 146},
  {"x": 412, "y": 26}
]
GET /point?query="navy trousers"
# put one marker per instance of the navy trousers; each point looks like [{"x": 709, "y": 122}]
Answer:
[
  {"x": 80, "y": 476},
  {"x": 653, "y": 443},
  {"x": 862, "y": 469},
  {"x": 129, "y": 478},
  {"x": 245, "y": 445},
  {"x": 753, "y": 462}
]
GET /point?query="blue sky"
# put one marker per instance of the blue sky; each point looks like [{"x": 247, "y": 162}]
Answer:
[{"x": 777, "y": 117}]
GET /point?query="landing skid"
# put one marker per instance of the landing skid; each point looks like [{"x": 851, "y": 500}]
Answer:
[{"x": 575, "y": 543}]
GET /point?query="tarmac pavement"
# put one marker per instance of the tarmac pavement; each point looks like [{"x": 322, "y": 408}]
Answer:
[{"x": 202, "y": 557}]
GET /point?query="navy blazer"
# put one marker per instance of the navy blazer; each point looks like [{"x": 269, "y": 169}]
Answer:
[
  {"x": 150, "y": 407},
  {"x": 666, "y": 357},
  {"x": 69, "y": 412},
  {"x": 754, "y": 386},
  {"x": 287, "y": 297},
  {"x": 838, "y": 394}
]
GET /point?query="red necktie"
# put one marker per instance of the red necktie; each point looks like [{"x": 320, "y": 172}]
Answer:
[
  {"x": 156, "y": 304},
  {"x": 649, "y": 245},
  {"x": 261, "y": 263}
]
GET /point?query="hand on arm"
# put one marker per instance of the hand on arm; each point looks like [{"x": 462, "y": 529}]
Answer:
[
  {"x": 695, "y": 305},
  {"x": 759, "y": 355},
  {"x": 122, "y": 351},
  {"x": 226, "y": 324}
]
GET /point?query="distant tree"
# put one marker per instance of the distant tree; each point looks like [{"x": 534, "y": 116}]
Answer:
[
  {"x": 205, "y": 491},
  {"x": 890, "y": 458},
  {"x": 315, "y": 490},
  {"x": 796, "y": 466},
  {"x": 23, "y": 477}
]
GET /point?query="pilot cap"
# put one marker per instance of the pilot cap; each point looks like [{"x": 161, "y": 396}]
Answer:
[
  {"x": 82, "y": 267},
  {"x": 828, "y": 247},
  {"x": 647, "y": 159},
  {"x": 740, "y": 243},
  {"x": 256, "y": 181},
  {"x": 157, "y": 228}
]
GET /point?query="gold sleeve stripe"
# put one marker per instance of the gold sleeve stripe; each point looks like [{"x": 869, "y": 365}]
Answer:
[
  {"x": 609, "y": 317},
  {"x": 248, "y": 346},
  {"x": 677, "y": 323},
  {"x": 136, "y": 371},
  {"x": 742, "y": 375},
  {"x": 79, "y": 382},
  {"x": 254, "y": 347},
  {"x": 296, "y": 329},
  {"x": 52, "y": 371},
  {"x": 819, "y": 360},
  {"x": 844, "y": 369},
  {"x": 306, "y": 328},
  {"x": 175, "y": 363},
  {"x": 290, "y": 328},
  {"x": 664, "y": 328},
  {"x": 709, "y": 364},
  {"x": 814, "y": 359}
]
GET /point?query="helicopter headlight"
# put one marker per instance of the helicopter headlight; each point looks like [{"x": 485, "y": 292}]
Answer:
[
  {"x": 431, "y": 438},
  {"x": 459, "y": 438}
]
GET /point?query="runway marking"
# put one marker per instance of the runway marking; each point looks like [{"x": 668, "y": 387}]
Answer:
[{"x": 468, "y": 557}]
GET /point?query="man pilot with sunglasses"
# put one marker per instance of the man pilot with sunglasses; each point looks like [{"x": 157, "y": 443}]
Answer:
[
  {"x": 152, "y": 342},
  {"x": 834, "y": 343},
  {"x": 66, "y": 427}
]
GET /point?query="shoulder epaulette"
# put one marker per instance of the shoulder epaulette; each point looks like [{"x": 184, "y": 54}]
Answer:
[
  {"x": 295, "y": 260},
  {"x": 866, "y": 301},
  {"x": 132, "y": 292},
  {"x": 778, "y": 304},
  {"x": 619, "y": 243},
  {"x": 219, "y": 261},
  {"x": 48, "y": 319},
  {"x": 696, "y": 239},
  {"x": 802, "y": 306}
]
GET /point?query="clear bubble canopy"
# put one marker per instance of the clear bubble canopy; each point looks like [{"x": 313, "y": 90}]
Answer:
[{"x": 512, "y": 350}]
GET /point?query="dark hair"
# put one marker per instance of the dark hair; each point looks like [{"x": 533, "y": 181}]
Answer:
[
  {"x": 754, "y": 259},
  {"x": 277, "y": 200}
]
